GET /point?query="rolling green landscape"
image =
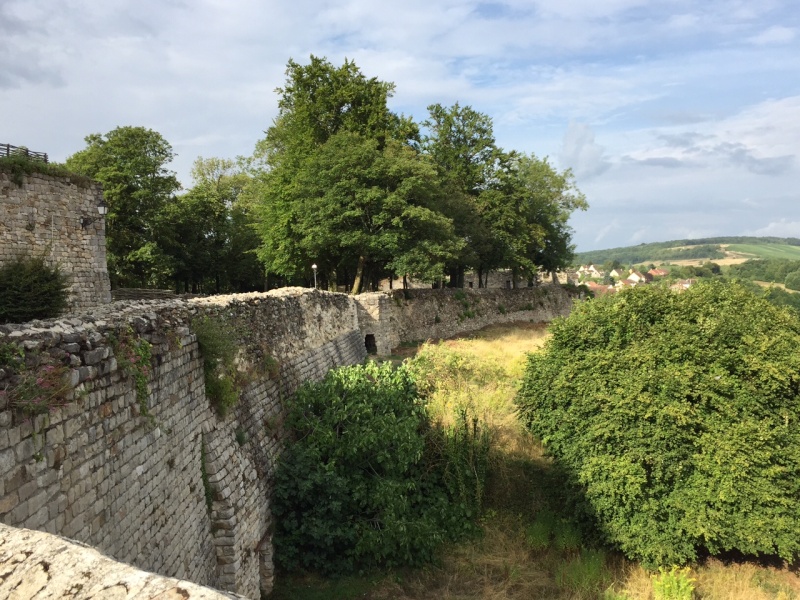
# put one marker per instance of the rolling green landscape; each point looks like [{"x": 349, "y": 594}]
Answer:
[{"x": 712, "y": 249}]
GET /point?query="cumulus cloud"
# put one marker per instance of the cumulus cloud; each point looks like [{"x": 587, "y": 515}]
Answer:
[
  {"x": 781, "y": 228},
  {"x": 774, "y": 35},
  {"x": 580, "y": 152}
]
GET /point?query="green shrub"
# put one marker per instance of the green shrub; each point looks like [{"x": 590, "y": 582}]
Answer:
[
  {"x": 678, "y": 416},
  {"x": 368, "y": 481},
  {"x": 792, "y": 281},
  {"x": 31, "y": 289},
  {"x": 674, "y": 584}
]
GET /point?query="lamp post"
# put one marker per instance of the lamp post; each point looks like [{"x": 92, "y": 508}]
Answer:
[
  {"x": 314, "y": 268},
  {"x": 102, "y": 209}
]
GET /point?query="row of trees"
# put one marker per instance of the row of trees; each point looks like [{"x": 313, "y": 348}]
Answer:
[
  {"x": 201, "y": 240},
  {"x": 366, "y": 193},
  {"x": 341, "y": 181}
]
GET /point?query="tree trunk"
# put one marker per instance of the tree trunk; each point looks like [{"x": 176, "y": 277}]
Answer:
[
  {"x": 359, "y": 276},
  {"x": 480, "y": 277},
  {"x": 555, "y": 277}
]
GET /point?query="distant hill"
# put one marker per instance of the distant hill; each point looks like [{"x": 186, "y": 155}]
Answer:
[{"x": 728, "y": 249}]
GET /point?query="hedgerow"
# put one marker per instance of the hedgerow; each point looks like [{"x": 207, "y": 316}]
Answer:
[
  {"x": 368, "y": 481},
  {"x": 677, "y": 414}
]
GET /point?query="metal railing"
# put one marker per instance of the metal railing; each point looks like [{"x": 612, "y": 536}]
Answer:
[{"x": 9, "y": 150}]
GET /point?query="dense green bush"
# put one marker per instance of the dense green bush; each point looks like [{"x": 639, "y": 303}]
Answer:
[
  {"x": 368, "y": 481},
  {"x": 678, "y": 416},
  {"x": 31, "y": 289},
  {"x": 792, "y": 280}
]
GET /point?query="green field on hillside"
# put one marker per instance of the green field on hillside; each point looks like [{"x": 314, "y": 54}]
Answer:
[
  {"x": 702, "y": 249},
  {"x": 767, "y": 250}
]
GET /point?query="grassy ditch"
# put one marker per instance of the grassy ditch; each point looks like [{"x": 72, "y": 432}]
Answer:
[{"x": 529, "y": 547}]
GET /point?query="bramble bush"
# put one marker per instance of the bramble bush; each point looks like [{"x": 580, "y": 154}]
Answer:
[
  {"x": 677, "y": 414},
  {"x": 368, "y": 481}
]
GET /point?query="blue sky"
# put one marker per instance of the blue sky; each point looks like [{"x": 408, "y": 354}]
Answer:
[{"x": 679, "y": 118}]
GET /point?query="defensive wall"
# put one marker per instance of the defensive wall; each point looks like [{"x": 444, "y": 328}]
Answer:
[
  {"x": 42, "y": 215},
  {"x": 159, "y": 480}
]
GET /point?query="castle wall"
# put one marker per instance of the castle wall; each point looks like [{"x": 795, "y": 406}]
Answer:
[
  {"x": 42, "y": 216},
  {"x": 392, "y": 318},
  {"x": 127, "y": 477},
  {"x": 131, "y": 474}
]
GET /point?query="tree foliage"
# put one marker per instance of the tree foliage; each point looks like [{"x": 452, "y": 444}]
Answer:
[
  {"x": 677, "y": 414},
  {"x": 368, "y": 481},
  {"x": 207, "y": 233},
  {"x": 347, "y": 184},
  {"x": 131, "y": 163}
]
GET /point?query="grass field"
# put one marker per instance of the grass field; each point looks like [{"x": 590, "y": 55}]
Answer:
[
  {"x": 530, "y": 549},
  {"x": 766, "y": 250}
]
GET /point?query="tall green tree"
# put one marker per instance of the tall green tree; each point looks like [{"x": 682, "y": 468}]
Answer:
[
  {"x": 208, "y": 232},
  {"x": 340, "y": 184},
  {"x": 460, "y": 141},
  {"x": 131, "y": 163},
  {"x": 549, "y": 197}
]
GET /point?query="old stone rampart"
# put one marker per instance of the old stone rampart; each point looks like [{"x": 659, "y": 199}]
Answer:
[
  {"x": 43, "y": 216},
  {"x": 101, "y": 471},
  {"x": 392, "y": 318},
  {"x": 160, "y": 481}
]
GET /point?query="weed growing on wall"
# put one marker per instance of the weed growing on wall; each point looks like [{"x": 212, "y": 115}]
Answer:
[
  {"x": 33, "y": 390},
  {"x": 31, "y": 289},
  {"x": 369, "y": 481},
  {"x": 134, "y": 356},
  {"x": 217, "y": 342},
  {"x": 39, "y": 390}
]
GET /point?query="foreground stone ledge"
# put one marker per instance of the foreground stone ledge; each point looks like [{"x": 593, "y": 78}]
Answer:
[{"x": 39, "y": 565}]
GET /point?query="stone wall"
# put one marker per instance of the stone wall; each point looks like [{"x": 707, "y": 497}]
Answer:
[
  {"x": 126, "y": 476},
  {"x": 43, "y": 216},
  {"x": 392, "y": 318},
  {"x": 131, "y": 475}
]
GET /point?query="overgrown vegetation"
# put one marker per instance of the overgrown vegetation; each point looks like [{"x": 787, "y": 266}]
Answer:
[
  {"x": 675, "y": 413},
  {"x": 134, "y": 356},
  {"x": 20, "y": 166},
  {"x": 33, "y": 389},
  {"x": 370, "y": 481},
  {"x": 524, "y": 491},
  {"x": 31, "y": 289},
  {"x": 217, "y": 342}
]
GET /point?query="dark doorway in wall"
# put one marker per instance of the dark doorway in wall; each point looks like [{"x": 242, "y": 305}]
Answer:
[{"x": 369, "y": 342}]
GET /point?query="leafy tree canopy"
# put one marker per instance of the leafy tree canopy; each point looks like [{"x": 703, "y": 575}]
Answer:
[
  {"x": 131, "y": 163},
  {"x": 677, "y": 415}
]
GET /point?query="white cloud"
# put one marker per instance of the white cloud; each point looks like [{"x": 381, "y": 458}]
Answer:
[
  {"x": 774, "y": 35},
  {"x": 580, "y": 152},
  {"x": 781, "y": 228}
]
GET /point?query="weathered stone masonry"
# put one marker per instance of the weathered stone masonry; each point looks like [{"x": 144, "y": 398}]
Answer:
[
  {"x": 43, "y": 216},
  {"x": 99, "y": 471}
]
